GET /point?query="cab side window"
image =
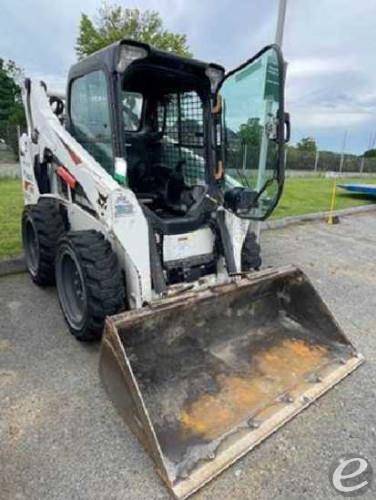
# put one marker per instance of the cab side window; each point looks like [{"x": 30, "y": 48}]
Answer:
[
  {"x": 90, "y": 117},
  {"x": 132, "y": 110}
]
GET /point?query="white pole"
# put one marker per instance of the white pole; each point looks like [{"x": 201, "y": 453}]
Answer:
[
  {"x": 362, "y": 160},
  {"x": 362, "y": 164},
  {"x": 317, "y": 159},
  {"x": 373, "y": 141},
  {"x": 280, "y": 22},
  {"x": 245, "y": 157},
  {"x": 370, "y": 140},
  {"x": 18, "y": 129},
  {"x": 342, "y": 160},
  {"x": 278, "y": 39}
]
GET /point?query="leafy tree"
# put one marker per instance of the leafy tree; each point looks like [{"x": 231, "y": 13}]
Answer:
[
  {"x": 371, "y": 153},
  {"x": 10, "y": 93},
  {"x": 115, "y": 22},
  {"x": 11, "y": 108},
  {"x": 307, "y": 145},
  {"x": 250, "y": 132}
]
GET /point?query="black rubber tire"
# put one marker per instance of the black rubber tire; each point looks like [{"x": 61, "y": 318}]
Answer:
[
  {"x": 251, "y": 253},
  {"x": 89, "y": 282},
  {"x": 42, "y": 226}
]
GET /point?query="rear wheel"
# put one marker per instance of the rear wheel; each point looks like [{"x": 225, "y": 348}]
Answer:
[
  {"x": 42, "y": 226},
  {"x": 89, "y": 282},
  {"x": 251, "y": 253}
]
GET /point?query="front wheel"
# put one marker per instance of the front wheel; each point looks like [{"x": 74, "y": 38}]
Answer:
[{"x": 89, "y": 282}]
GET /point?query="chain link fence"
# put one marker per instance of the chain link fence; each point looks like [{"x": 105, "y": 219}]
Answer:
[
  {"x": 9, "y": 167},
  {"x": 296, "y": 160},
  {"x": 327, "y": 161},
  {"x": 9, "y": 134}
]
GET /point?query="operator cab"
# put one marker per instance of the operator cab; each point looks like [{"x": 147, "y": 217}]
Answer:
[{"x": 183, "y": 130}]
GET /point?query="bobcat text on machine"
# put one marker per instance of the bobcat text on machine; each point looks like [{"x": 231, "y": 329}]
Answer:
[{"x": 132, "y": 206}]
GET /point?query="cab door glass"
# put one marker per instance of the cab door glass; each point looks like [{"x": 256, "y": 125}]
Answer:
[
  {"x": 132, "y": 103},
  {"x": 90, "y": 117},
  {"x": 252, "y": 114}
]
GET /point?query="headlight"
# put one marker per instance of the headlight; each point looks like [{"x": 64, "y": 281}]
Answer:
[{"x": 128, "y": 54}]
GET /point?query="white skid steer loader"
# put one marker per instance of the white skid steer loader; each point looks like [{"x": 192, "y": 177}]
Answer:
[{"x": 133, "y": 209}]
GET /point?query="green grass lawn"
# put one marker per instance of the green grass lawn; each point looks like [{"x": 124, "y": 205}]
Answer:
[
  {"x": 309, "y": 195},
  {"x": 11, "y": 203},
  {"x": 301, "y": 196}
]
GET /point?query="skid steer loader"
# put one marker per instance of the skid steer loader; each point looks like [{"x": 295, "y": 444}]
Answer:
[{"x": 133, "y": 206}]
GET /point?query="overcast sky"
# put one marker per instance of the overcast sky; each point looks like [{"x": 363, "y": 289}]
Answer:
[{"x": 330, "y": 46}]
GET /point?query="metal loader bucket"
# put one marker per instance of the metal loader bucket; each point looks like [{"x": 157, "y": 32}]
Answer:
[{"x": 204, "y": 377}]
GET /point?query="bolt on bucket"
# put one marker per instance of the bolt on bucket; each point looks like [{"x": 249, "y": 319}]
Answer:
[{"x": 204, "y": 377}]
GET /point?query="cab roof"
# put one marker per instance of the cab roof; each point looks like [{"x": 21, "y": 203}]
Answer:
[{"x": 107, "y": 59}]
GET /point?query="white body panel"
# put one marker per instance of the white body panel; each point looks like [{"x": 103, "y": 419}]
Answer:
[
  {"x": 29, "y": 184},
  {"x": 184, "y": 246},
  {"x": 238, "y": 229},
  {"x": 128, "y": 233}
]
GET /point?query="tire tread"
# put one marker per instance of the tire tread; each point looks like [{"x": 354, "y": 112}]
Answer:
[
  {"x": 103, "y": 280},
  {"x": 49, "y": 225}
]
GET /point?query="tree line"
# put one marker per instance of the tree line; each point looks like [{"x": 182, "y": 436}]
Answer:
[{"x": 308, "y": 145}]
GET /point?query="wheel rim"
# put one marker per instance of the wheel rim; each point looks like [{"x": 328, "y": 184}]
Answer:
[
  {"x": 31, "y": 245},
  {"x": 71, "y": 290}
]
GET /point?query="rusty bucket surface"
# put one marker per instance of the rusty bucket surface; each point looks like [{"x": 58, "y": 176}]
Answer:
[{"x": 204, "y": 377}]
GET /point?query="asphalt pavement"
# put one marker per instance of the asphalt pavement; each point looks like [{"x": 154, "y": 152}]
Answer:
[{"x": 60, "y": 437}]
